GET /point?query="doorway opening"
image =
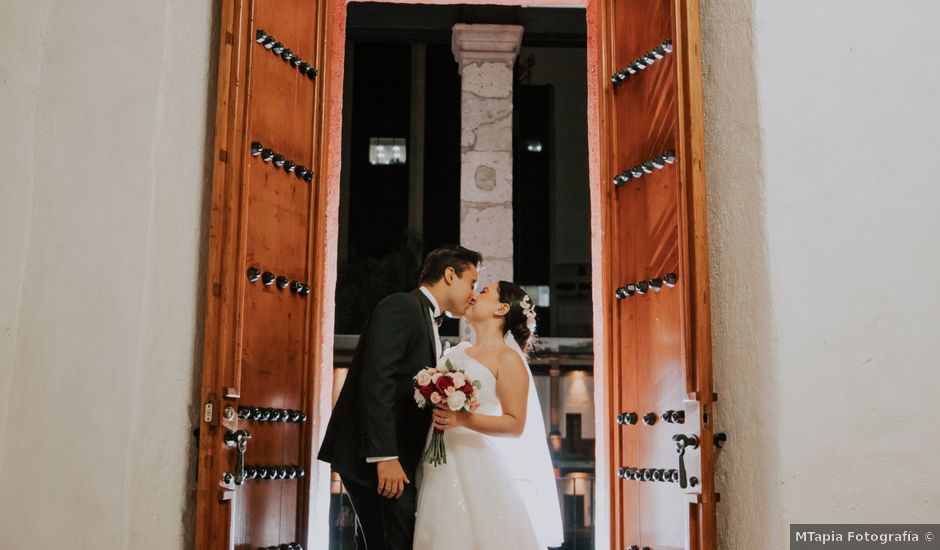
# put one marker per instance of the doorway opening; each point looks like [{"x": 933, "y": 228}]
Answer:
[
  {"x": 401, "y": 196},
  {"x": 273, "y": 241}
]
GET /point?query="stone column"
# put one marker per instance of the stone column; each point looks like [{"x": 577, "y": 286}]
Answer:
[{"x": 486, "y": 54}]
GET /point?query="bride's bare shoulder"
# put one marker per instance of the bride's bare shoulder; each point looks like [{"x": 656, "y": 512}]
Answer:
[{"x": 509, "y": 359}]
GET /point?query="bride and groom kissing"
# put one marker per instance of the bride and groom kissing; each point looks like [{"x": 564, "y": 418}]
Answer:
[{"x": 496, "y": 489}]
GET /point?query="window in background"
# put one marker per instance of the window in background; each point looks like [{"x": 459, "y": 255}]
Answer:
[{"x": 387, "y": 151}]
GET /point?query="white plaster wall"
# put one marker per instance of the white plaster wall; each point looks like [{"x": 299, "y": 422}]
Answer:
[
  {"x": 822, "y": 125},
  {"x": 103, "y": 110},
  {"x": 19, "y": 79}
]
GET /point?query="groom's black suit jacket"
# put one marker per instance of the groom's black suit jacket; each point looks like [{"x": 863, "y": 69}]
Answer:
[{"x": 376, "y": 414}]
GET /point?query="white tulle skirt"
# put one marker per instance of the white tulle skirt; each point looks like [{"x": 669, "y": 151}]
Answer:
[{"x": 470, "y": 503}]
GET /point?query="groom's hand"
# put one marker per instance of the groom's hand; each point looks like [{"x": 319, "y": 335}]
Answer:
[{"x": 392, "y": 478}]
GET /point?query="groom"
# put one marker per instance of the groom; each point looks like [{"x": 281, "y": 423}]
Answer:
[{"x": 376, "y": 434}]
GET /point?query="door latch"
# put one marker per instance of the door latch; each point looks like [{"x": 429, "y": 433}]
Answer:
[
  {"x": 684, "y": 442},
  {"x": 238, "y": 439}
]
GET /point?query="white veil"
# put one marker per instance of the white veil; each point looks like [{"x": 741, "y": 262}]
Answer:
[{"x": 530, "y": 465}]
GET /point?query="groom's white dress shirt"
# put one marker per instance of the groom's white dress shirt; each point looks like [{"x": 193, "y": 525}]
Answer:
[{"x": 435, "y": 312}]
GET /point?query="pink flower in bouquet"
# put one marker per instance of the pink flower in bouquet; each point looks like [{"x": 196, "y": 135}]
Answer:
[
  {"x": 423, "y": 378},
  {"x": 449, "y": 387}
]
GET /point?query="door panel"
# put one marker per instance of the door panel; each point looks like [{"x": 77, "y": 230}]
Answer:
[
  {"x": 660, "y": 358},
  {"x": 258, "y": 375}
]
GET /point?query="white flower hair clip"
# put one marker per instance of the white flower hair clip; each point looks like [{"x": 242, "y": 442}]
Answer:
[{"x": 529, "y": 311}]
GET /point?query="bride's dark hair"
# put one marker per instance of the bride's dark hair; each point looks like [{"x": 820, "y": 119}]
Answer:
[{"x": 516, "y": 321}]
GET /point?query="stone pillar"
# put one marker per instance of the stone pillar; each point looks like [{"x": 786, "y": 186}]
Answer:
[{"x": 486, "y": 54}]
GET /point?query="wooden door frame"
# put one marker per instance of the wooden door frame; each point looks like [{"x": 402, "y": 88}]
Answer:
[{"x": 692, "y": 219}]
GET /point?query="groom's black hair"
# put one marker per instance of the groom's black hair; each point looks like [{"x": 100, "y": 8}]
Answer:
[{"x": 439, "y": 259}]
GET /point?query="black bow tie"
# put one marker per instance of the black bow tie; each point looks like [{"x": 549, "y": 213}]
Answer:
[{"x": 439, "y": 319}]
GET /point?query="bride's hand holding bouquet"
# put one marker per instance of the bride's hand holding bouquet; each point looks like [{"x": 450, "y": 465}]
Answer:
[{"x": 448, "y": 389}]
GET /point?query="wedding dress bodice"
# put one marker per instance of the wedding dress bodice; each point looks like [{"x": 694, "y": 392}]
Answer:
[{"x": 486, "y": 394}]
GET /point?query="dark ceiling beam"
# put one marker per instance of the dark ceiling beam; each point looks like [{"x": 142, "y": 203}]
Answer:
[{"x": 380, "y": 22}]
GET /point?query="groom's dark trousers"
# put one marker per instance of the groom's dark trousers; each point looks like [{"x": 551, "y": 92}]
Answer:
[
  {"x": 381, "y": 523},
  {"x": 376, "y": 416}
]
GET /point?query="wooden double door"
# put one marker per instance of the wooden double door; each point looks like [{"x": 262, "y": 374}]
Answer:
[{"x": 265, "y": 376}]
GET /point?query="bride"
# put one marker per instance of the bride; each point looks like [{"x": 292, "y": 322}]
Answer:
[{"x": 497, "y": 488}]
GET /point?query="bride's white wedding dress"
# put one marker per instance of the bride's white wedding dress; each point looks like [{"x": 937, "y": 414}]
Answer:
[{"x": 479, "y": 499}]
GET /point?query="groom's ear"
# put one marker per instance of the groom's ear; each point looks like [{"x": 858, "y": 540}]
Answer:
[{"x": 450, "y": 275}]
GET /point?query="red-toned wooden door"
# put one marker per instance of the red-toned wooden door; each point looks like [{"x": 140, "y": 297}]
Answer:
[
  {"x": 657, "y": 301},
  {"x": 258, "y": 392}
]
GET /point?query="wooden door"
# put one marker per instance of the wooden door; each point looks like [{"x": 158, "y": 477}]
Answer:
[
  {"x": 656, "y": 299},
  {"x": 261, "y": 319}
]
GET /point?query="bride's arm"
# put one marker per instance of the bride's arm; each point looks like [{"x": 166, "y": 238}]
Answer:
[{"x": 512, "y": 389}]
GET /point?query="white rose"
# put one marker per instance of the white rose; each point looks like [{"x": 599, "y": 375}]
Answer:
[
  {"x": 456, "y": 400},
  {"x": 459, "y": 379},
  {"x": 419, "y": 399}
]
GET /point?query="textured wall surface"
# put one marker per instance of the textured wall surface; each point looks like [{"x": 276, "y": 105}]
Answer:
[
  {"x": 745, "y": 367},
  {"x": 104, "y": 215},
  {"x": 821, "y": 122}
]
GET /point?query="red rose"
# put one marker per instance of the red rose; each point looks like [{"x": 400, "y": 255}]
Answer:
[
  {"x": 467, "y": 388},
  {"x": 445, "y": 382},
  {"x": 426, "y": 391}
]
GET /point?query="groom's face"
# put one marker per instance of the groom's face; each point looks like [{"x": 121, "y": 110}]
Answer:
[{"x": 460, "y": 289}]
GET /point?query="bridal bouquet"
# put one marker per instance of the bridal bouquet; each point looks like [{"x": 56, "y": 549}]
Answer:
[{"x": 444, "y": 386}]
